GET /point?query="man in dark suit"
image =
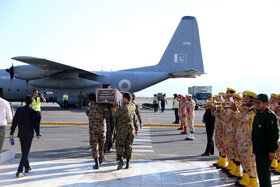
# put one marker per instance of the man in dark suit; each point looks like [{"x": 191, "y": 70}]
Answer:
[
  {"x": 27, "y": 121},
  {"x": 209, "y": 122}
]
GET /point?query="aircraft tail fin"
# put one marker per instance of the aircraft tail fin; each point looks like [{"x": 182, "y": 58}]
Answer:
[
  {"x": 182, "y": 57},
  {"x": 183, "y": 52}
]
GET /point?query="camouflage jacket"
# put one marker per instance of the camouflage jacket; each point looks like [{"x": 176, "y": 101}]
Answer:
[
  {"x": 125, "y": 115},
  {"x": 96, "y": 114},
  {"x": 138, "y": 114}
]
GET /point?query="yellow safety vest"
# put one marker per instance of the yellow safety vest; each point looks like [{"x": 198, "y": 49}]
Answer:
[
  {"x": 65, "y": 97},
  {"x": 37, "y": 104},
  {"x": 176, "y": 103}
]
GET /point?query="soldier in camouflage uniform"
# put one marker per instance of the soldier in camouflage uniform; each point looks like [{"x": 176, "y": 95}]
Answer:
[
  {"x": 137, "y": 112},
  {"x": 230, "y": 129},
  {"x": 110, "y": 132},
  {"x": 190, "y": 116},
  {"x": 218, "y": 133},
  {"x": 244, "y": 143},
  {"x": 97, "y": 129},
  {"x": 124, "y": 130}
]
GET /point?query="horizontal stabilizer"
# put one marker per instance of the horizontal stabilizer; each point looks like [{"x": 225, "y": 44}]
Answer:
[{"x": 186, "y": 74}]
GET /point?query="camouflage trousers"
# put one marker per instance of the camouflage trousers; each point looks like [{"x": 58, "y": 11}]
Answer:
[
  {"x": 97, "y": 141},
  {"x": 110, "y": 133},
  {"x": 230, "y": 142},
  {"x": 124, "y": 141},
  {"x": 219, "y": 137},
  {"x": 190, "y": 124},
  {"x": 247, "y": 158},
  {"x": 183, "y": 120}
]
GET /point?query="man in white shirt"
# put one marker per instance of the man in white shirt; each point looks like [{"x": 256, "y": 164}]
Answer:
[{"x": 5, "y": 115}]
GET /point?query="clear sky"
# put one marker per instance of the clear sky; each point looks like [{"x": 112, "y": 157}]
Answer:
[{"x": 239, "y": 39}]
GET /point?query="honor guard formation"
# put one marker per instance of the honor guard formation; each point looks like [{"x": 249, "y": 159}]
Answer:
[{"x": 246, "y": 135}]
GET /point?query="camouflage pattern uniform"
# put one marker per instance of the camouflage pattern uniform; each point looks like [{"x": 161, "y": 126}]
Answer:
[
  {"x": 181, "y": 109},
  {"x": 138, "y": 114},
  {"x": 219, "y": 131},
  {"x": 230, "y": 123},
  {"x": 232, "y": 143},
  {"x": 110, "y": 133},
  {"x": 190, "y": 114},
  {"x": 273, "y": 106},
  {"x": 125, "y": 129},
  {"x": 97, "y": 128},
  {"x": 244, "y": 142}
]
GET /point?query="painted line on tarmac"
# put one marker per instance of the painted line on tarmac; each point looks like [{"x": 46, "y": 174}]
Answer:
[
  {"x": 145, "y": 125},
  {"x": 59, "y": 123},
  {"x": 171, "y": 125}
]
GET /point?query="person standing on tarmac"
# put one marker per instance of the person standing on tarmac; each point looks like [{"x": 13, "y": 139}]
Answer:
[
  {"x": 155, "y": 102},
  {"x": 190, "y": 116},
  {"x": 65, "y": 98},
  {"x": 265, "y": 135},
  {"x": 176, "y": 109},
  {"x": 5, "y": 115},
  {"x": 81, "y": 100},
  {"x": 27, "y": 122},
  {"x": 97, "y": 129},
  {"x": 125, "y": 128},
  {"x": 137, "y": 111},
  {"x": 38, "y": 98},
  {"x": 209, "y": 122},
  {"x": 163, "y": 101}
]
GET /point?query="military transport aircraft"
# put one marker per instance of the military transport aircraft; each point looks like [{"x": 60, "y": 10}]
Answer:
[{"x": 181, "y": 59}]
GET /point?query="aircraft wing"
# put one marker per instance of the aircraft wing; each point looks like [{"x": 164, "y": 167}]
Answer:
[
  {"x": 50, "y": 65},
  {"x": 191, "y": 73}
]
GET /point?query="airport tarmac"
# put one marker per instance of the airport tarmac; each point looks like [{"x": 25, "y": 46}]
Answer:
[{"x": 161, "y": 156}]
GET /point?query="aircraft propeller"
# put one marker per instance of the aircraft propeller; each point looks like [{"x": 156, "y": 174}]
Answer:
[{"x": 11, "y": 71}]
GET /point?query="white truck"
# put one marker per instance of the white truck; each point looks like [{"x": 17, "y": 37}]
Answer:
[{"x": 200, "y": 94}]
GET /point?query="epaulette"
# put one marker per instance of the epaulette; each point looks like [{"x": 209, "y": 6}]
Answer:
[{"x": 269, "y": 111}]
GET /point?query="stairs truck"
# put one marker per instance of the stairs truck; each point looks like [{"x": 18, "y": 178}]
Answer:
[{"x": 200, "y": 94}]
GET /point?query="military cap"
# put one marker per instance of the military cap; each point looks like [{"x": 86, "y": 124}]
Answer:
[
  {"x": 222, "y": 93},
  {"x": 261, "y": 98},
  {"x": 127, "y": 96},
  {"x": 246, "y": 92},
  {"x": 252, "y": 94},
  {"x": 231, "y": 90},
  {"x": 238, "y": 96},
  {"x": 274, "y": 95}
]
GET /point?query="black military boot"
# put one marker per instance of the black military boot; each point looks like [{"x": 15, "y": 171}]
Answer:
[
  {"x": 96, "y": 166},
  {"x": 101, "y": 160},
  {"x": 121, "y": 163},
  {"x": 127, "y": 163}
]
